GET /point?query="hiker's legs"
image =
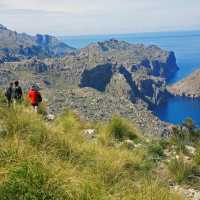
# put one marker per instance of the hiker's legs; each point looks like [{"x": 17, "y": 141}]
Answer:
[
  {"x": 14, "y": 103},
  {"x": 9, "y": 102},
  {"x": 36, "y": 109}
]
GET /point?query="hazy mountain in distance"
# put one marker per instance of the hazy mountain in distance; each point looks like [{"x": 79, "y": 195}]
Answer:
[{"x": 14, "y": 46}]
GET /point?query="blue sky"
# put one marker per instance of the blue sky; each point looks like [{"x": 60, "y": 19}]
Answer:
[{"x": 82, "y": 17}]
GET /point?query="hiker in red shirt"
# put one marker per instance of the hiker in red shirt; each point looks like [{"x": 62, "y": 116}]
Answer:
[{"x": 35, "y": 97}]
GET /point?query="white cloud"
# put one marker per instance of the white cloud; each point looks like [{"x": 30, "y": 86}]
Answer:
[{"x": 67, "y": 17}]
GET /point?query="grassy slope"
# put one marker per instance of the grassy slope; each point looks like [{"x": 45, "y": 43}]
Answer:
[{"x": 42, "y": 160}]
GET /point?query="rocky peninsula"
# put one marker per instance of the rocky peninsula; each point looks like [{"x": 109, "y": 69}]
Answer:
[{"x": 188, "y": 87}]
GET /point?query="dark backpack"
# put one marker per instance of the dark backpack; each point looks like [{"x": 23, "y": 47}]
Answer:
[
  {"x": 18, "y": 93},
  {"x": 9, "y": 93},
  {"x": 39, "y": 98}
]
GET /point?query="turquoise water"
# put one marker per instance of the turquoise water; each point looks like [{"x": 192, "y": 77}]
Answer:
[{"x": 186, "y": 46}]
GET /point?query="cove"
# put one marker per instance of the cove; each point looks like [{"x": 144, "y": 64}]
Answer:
[{"x": 186, "y": 46}]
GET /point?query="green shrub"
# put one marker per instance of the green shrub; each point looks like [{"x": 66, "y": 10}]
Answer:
[
  {"x": 24, "y": 123},
  {"x": 189, "y": 124},
  {"x": 179, "y": 138},
  {"x": 64, "y": 150},
  {"x": 120, "y": 129},
  {"x": 29, "y": 181},
  {"x": 2, "y": 98},
  {"x": 155, "y": 149},
  {"x": 69, "y": 121},
  {"x": 42, "y": 109},
  {"x": 182, "y": 171},
  {"x": 151, "y": 189},
  {"x": 197, "y": 156},
  {"x": 7, "y": 156}
]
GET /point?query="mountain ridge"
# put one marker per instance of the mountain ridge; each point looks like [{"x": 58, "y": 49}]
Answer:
[{"x": 15, "y": 46}]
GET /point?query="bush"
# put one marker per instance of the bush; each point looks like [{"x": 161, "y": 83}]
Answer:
[
  {"x": 30, "y": 180},
  {"x": 182, "y": 171},
  {"x": 179, "y": 138},
  {"x": 155, "y": 149},
  {"x": 24, "y": 123},
  {"x": 120, "y": 129},
  {"x": 2, "y": 98},
  {"x": 151, "y": 189},
  {"x": 69, "y": 121},
  {"x": 197, "y": 156},
  {"x": 189, "y": 124}
]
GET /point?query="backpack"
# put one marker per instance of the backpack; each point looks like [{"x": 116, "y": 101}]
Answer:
[
  {"x": 39, "y": 98},
  {"x": 18, "y": 93},
  {"x": 9, "y": 93}
]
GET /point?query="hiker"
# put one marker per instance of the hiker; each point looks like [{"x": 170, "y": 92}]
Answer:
[
  {"x": 35, "y": 97},
  {"x": 18, "y": 94},
  {"x": 9, "y": 94}
]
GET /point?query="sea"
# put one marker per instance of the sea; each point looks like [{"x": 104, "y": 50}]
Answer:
[{"x": 185, "y": 44}]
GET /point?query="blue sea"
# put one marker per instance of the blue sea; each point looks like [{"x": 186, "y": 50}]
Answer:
[{"x": 186, "y": 46}]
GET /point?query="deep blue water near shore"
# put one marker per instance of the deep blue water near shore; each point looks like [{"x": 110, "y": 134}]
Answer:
[{"x": 186, "y": 46}]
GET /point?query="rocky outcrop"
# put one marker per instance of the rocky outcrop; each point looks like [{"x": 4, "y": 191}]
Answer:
[
  {"x": 15, "y": 46},
  {"x": 152, "y": 89},
  {"x": 156, "y": 61},
  {"x": 97, "y": 77},
  {"x": 189, "y": 87}
]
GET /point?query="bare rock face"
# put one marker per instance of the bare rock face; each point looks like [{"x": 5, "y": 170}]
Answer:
[
  {"x": 152, "y": 89},
  {"x": 118, "y": 86},
  {"x": 128, "y": 60},
  {"x": 97, "y": 77},
  {"x": 189, "y": 87},
  {"x": 156, "y": 61}
]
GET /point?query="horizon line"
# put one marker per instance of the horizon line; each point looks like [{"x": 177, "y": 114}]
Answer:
[{"x": 128, "y": 33}]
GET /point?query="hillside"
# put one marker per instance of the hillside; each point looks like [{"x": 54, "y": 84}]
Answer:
[
  {"x": 189, "y": 87},
  {"x": 73, "y": 159},
  {"x": 15, "y": 46},
  {"x": 127, "y": 78}
]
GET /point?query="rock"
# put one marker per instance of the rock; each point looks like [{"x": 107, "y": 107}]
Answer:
[
  {"x": 189, "y": 193},
  {"x": 191, "y": 149},
  {"x": 50, "y": 117},
  {"x": 152, "y": 89},
  {"x": 89, "y": 134}
]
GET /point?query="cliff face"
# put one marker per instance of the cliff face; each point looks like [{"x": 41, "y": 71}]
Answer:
[
  {"x": 142, "y": 69},
  {"x": 14, "y": 46},
  {"x": 156, "y": 61},
  {"x": 188, "y": 87},
  {"x": 152, "y": 89}
]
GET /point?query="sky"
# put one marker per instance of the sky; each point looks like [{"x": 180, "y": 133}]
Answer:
[{"x": 85, "y": 17}]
